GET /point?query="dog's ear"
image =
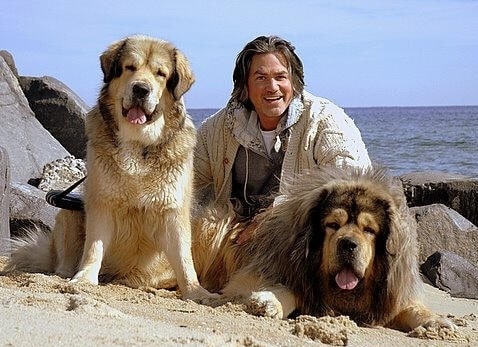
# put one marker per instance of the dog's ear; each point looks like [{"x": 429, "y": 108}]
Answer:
[
  {"x": 315, "y": 205},
  {"x": 182, "y": 77},
  {"x": 400, "y": 230},
  {"x": 111, "y": 61},
  {"x": 311, "y": 221}
]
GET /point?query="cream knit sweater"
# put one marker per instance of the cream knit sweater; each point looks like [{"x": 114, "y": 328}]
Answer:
[{"x": 322, "y": 134}]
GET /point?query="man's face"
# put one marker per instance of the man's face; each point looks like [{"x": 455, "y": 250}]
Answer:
[{"x": 270, "y": 88}]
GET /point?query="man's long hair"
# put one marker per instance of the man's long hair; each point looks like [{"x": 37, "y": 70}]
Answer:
[{"x": 263, "y": 45}]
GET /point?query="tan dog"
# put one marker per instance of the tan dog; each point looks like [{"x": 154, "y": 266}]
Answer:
[
  {"x": 339, "y": 243},
  {"x": 136, "y": 225}
]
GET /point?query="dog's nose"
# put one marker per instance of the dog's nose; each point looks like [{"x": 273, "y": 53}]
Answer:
[
  {"x": 140, "y": 90},
  {"x": 347, "y": 245}
]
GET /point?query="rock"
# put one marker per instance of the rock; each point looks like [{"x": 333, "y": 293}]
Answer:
[
  {"x": 62, "y": 173},
  {"x": 28, "y": 144},
  {"x": 4, "y": 202},
  {"x": 10, "y": 62},
  {"x": 28, "y": 208},
  {"x": 440, "y": 228},
  {"x": 452, "y": 273},
  {"x": 59, "y": 110},
  {"x": 455, "y": 191}
]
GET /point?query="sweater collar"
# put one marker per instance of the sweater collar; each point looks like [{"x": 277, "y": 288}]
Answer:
[{"x": 244, "y": 124}]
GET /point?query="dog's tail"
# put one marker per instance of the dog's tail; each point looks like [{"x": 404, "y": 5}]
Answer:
[{"x": 32, "y": 252}]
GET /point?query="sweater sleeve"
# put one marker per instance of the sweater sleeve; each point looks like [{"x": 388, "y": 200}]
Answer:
[
  {"x": 338, "y": 141},
  {"x": 203, "y": 180}
]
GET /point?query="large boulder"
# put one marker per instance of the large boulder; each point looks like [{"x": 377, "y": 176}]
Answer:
[
  {"x": 59, "y": 110},
  {"x": 452, "y": 273},
  {"x": 455, "y": 191},
  {"x": 29, "y": 209},
  {"x": 28, "y": 144},
  {"x": 4, "y": 201},
  {"x": 441, "y": 228}
]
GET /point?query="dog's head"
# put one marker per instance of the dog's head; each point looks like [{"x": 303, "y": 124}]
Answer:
[
  {"x": 361, "y": 246},
  {"x": 144, "y": 77},
  {"x": 351, "y": 229}
]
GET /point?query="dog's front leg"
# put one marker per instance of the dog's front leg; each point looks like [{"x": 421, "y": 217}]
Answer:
[
  {"x": 176, "y": 243},
  {"x": 418, "y": 315},
  {"x": 275, "y": 302},
  {"x": 99, "y": 233},
  {"x": 261, "y": 298}
]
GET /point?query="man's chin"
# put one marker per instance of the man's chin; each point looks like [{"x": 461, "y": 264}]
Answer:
[{"x": 275, "y": 112}]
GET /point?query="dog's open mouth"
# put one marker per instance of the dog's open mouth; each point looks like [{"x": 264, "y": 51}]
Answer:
[
  {"x": 136, "y": 115},
  {"x": 346, "y": 279}
]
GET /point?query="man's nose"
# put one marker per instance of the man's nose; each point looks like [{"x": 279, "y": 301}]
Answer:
[{"x": 272, "y": 84}]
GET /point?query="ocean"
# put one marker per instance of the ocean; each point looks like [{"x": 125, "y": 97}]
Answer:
[{"x": 411, "y": 139}]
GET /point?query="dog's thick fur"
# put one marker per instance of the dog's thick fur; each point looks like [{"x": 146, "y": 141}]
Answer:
[
  {"x": 136, "y": 224},
  {"x": 339, "y": 243}
]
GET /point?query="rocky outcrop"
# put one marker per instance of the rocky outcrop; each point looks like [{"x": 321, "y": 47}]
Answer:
[
  {"x": 29, "y": 147},
  {"x": 455, "y": 191},
  {"x": 28, "y": 144},
  {"x": 59, "y": 110}
]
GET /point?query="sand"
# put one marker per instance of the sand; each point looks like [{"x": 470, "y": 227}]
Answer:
[{"x": 45, "y": 310}]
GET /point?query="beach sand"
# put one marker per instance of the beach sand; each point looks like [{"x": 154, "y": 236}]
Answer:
[{"x": 45, "y": 310}]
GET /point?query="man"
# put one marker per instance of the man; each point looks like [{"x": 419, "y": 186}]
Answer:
[{"x": 270, "y": 131}]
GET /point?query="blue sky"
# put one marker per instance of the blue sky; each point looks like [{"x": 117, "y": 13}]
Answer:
[{"x": 356, "y": 53}]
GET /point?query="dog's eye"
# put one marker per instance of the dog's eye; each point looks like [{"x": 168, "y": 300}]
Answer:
[
  {"x": 369, "y": 230},
  {"x": 333, "y": 225},
  {"x": 160, "y": 73},
  {"x": 130, "y": 68}
]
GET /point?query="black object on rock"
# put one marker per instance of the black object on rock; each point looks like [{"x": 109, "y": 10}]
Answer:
[{"x": 66, "y": 199}]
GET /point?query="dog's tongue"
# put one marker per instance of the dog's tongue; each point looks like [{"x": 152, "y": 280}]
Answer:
[
  {"x": 346, "y": 279},
  {"x": 136, "y": 115}
]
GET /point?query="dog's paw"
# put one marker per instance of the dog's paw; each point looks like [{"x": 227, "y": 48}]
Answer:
[
  {"x": 212, "y": 299},
  {"x": 439, "y": 328},
  {"x": 440, "y": 322},
  {"x": 264, "y": 304},
  {"x": 83, "y": 276},
  {"x": 201, "y": 296}
]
